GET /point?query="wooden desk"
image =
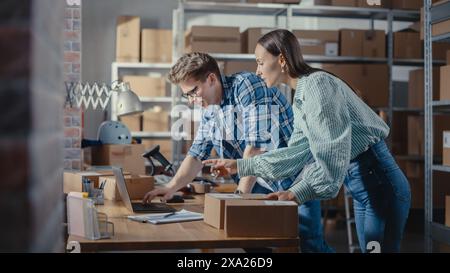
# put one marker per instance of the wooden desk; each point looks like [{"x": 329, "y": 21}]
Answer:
[{"x": 132, "y": 235}]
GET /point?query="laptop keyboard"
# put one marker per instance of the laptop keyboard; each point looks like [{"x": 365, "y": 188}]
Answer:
[{"x": 152, "y": 207}]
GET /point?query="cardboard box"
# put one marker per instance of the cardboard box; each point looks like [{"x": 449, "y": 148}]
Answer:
[
  {"x": 133, "y": 122},
  {"x": 231, "y": 67},
  {"x": 129, "y": 157},
  {"x": 261, "y": 218},
  {"x": 399, "y": 133},
  {"x": 211, "y": 39},
  {"x": 127, "y": 38},
  {"x": 407, "y": 45},
  {"x": 444, "y": 83},
  {"x": 440, "y": 50},
  {"x": 250, "y": 37},
  {"x": 322, "y": 2},
  {"x": 440, "y": 28},
  {"x": 362, "y": 43},
  {"x": 145, "y": 86},
  {"x": 155, "y": 120},
  {"x": 318, "y": 42},
  {"x": 416, "y": 135},
  {"x": 165, "y": 146},
  {"x": 416, "y": 93},
  {"x": 407, "y": 4},
  {"x": 345, "y": 3},
  {"x": 156, "y": 45},
  {"x": 370, "y": 80},
  {"x": 137, "y": 186},
  {"x": 73, "y": 180},
  {"x": 446, "y": 148},
  {"x": 447, "y": 211},
  {"x": 214, "y": 212}
]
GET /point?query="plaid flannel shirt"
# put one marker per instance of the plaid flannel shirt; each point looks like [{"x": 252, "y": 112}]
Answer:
[{"x": 250, "y": 114}]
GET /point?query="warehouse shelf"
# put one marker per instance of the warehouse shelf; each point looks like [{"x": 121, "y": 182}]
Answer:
[
  {"x": 441, "y": 103},
  {"x": 142, "y": 65},
  {"x": 159, "y": 99},
  {"x": 432, "y": 14},
  {"x": 151, "y": 134},
  {"x": 308, "y": 58},
  {"x": 440, "y": 12},
  {"x": 155, "y": 99},
  {"x": 235, "y": 8},
  {"x": 329, "y": 59},
  {"x": 407, "y": 109},
  {"x": 442, "y": 38},
  {"x": 441, "y": 168},
  {"x": 409, "y": 157},
  {"x": 416, "y": 62}
]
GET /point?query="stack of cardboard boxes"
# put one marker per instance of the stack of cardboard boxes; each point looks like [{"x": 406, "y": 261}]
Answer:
[
  {"x": 247, "y": 215},
  {"x": 146, "y": 45},
  {"x": 134, "y": 44}
]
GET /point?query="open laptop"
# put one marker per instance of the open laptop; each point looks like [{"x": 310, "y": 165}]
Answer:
[{"x": 137, "y": 207}]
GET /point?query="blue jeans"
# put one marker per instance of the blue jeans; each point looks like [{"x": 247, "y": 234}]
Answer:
[
  {"x": 381, "y": 198},
  {"x": 310, "y": 226}
]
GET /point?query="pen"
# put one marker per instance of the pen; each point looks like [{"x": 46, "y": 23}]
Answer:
[{"x": 170, "y": 214}]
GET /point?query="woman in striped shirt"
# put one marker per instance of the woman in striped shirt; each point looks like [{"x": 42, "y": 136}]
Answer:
[{"x": 337, "y": 140}]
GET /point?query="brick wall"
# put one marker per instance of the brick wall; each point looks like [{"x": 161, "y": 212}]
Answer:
[
  {"x": 31, "y": 126},
  {"x": 73, "y": 116}
]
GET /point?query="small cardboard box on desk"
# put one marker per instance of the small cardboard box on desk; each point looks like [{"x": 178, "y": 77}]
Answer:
[
  {"x": 73, "y": 180},
  {"x": 129, "y": 157},
  {"x": 249, "y": 215},
  {"x": 137, "y": 186},
  {"x": 261, "y": 218},
  {"x": 447, "y": 210}
]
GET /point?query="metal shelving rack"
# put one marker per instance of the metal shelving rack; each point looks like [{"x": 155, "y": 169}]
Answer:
[
  {"x": 432, "y": 14},
  {"x": 290, "y": 11}
]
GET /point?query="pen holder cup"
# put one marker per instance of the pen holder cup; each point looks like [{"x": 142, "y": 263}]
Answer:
[
  {"x": 106, "y": 228},
  {"x": 98, "y": 196}
]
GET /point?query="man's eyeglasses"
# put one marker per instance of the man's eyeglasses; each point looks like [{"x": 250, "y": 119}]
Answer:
[{"x": 191, "y": 94}]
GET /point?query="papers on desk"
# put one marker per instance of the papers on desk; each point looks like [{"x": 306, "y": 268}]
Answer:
[{"x": 162, "y": 218}]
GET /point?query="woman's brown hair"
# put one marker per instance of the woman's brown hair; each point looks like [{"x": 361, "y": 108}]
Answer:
[{"x": 284, "y": 42}]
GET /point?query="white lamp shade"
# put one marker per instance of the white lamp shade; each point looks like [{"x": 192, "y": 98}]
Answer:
[{"x": 128, "y": 102}]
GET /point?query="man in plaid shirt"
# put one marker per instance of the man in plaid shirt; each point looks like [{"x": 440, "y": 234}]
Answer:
[{"x": 241, "y": 118}]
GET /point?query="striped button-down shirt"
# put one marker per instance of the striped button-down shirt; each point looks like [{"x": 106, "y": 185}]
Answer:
[
  {"x": 250, "y": 114},
  {"x": 331, "y": 124}
]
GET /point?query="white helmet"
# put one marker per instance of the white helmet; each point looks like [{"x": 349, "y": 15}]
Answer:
[{"x": 113, "y": 132}]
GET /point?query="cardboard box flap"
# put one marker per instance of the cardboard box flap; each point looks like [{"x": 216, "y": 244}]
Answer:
[
  {"x": 259, "y": 202},
  {"x": 208, "y": 33},
  {"x": 321, "y": 35}
]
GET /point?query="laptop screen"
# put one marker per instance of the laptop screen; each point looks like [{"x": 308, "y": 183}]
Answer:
[{"x": 120, "y": 182}]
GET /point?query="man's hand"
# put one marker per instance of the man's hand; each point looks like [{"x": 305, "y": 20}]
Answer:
[
  {"x": 219, "y": 165},
  {"x": 282, "y": 196},
  {"x": 166, "y": 194}
]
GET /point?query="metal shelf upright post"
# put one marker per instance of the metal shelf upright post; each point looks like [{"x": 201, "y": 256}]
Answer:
[{"x": 432, "y": 14}]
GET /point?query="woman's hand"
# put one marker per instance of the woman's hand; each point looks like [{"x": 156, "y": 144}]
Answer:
[
  {"x": 282, "y": 196},
  {"x": 222, "y": 167}
]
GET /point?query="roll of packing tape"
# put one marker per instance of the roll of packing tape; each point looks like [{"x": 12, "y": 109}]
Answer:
[{"x": 201, "y": 187}]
